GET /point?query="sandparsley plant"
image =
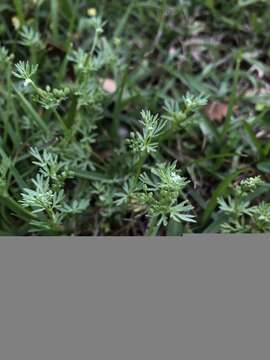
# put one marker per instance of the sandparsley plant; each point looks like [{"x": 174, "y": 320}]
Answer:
[
  {"x": 160, "y": 194},
  {"x": 25, "y": 71},
  {"x": 242, "y": 215},
  {"x": 133, "y": 119}
]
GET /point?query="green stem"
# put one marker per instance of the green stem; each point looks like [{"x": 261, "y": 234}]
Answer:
[
  {"x": 67, "y": 46},
  {"x": 233, "y": 97},
  {"x": 31, "y": 111},
  {"x": 152, "y": 228},
  {"x": 117, "y": 108},
  {"x": 19, "y": 10},
  {"x": 10, "y": 106},
  {"x": 33, "y": 54},
  {"x": 63, "y": 125},
  {"x": 139, "y": 164},
  {"x": 55, "y": 227},
  {"x": 94, "y": 45},
  {"x": 54, "y": 19}
]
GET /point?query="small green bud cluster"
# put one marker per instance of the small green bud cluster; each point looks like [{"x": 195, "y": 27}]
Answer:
[
  {"x": 248, "y": 185},
  {"x": 182, "y": 116},
  {"x": 241, "y": 215},
  {"x": 50, "y": 99}
]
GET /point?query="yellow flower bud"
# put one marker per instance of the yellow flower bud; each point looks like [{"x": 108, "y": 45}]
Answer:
[
  {"x": 16, "y": 22},
  {"x": 92, "y": 12}
]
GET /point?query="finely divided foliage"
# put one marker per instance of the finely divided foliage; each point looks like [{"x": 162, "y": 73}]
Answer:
[{"x": 141, "y": 157}]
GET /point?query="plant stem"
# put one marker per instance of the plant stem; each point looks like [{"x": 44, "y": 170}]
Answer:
[
  {"x": 19, "y": 10},
  {"x": 152, "y": 228},
  {"x": 117, "y": 107},
  {"x": 63, "y": 125},
  {"x": 233, "y": 97},
  {"x": 54, "y": 19},
  {"x": 140, "y": 164}
]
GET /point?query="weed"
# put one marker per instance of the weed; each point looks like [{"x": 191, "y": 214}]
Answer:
[{"x": 143, "y": 156}]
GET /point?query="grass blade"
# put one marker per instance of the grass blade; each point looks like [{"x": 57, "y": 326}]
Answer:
[
  {"x": 220, "y": 190},
  {"x": 28, "y": 108}
]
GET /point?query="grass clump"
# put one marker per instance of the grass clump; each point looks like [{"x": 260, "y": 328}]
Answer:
[{"x": 137, "y": 118}]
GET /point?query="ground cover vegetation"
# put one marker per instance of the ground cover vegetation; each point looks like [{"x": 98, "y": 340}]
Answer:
[{"x": 136, "y": 117}]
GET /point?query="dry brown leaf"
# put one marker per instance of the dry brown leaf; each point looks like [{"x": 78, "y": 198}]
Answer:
[
  {"x": 216, "y": 111},
  {"x": 109, "y": 85}
]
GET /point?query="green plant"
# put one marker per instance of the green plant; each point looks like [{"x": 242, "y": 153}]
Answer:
[
  {"x": 134, "y": 117},
  {"x": 47, "y": 199},
  {"x": 160, "y": 197},
  {"x": 241, "y": 215}
]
